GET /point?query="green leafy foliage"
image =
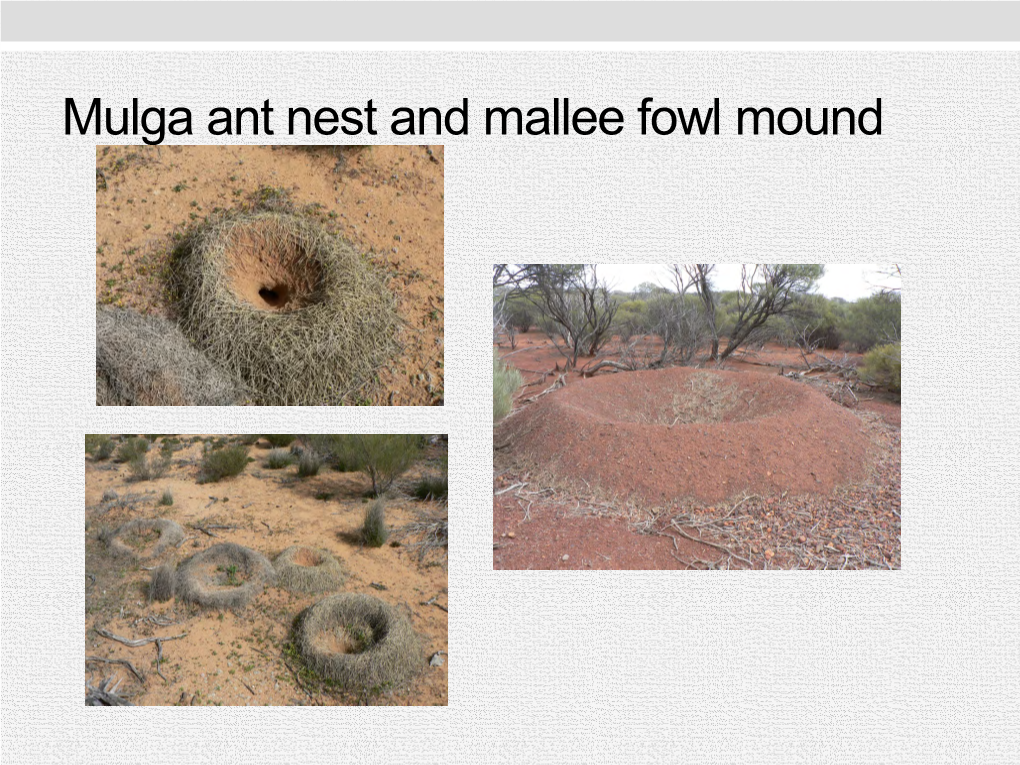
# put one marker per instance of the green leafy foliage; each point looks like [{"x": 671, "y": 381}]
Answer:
[
  {"x": 382, "y": 457},
  {"x": 505, "y": 382},
  {"x": 225, "y": 462},
  {"x": 882, "y": 367}
]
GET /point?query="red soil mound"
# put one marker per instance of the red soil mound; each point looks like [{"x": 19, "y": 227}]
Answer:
[{"x": 665, "y": 436}]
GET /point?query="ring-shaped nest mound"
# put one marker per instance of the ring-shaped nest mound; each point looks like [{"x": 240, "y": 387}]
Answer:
[
  {"x": 359, "y": 642},
  {"x": 668, "y": 436},
  {"x": 286, "y": 306},
  {"x": 306, "y": 569},
  {"x": 144, "y": 538},
  {"x": 224, "y": 576},
  {"x": 147, "y": 361}
]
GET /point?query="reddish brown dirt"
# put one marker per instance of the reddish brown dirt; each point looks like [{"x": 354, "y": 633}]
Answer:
[
  {"x": 840, "y": 511},
  {"x": 775, "y": 436}
]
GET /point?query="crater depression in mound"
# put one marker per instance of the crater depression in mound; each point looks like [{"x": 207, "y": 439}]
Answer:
[{"x": 661, "y": 437}]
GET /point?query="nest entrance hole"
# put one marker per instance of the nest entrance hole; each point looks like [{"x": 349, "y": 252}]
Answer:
[
  {"x": 271, "y": 270},
  {"x": 350, "y": 639},
  {"x": 307, "y": 558}
]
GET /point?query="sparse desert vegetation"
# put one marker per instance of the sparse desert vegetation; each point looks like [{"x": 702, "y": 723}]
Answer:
[
  {"x": 201, "y": 582},
  {"x": 688, "y": 425},
  {"x": 269, "y": 275}
]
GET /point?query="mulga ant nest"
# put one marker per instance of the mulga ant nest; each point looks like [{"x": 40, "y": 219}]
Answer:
[
  {"x": 305, "y": 569},
  {"x": 224, "y": 576},
  {"x": 359, "y": 641},
  {"x": 289, "y": 308},
  {"x": 147, "y": 361},
  {"x": 144, "y": 538}
]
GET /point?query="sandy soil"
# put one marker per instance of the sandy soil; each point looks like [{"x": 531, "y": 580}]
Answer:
[
  {"x": 243, "y": 658},
  {"x": 593, "y": 472},
  {"x": 388, "y": 200}
]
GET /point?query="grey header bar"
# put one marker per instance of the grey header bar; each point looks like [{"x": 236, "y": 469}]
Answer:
[{"x": 469, "y": 21}]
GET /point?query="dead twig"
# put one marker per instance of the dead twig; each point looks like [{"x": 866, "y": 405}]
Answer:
[
  {"x": 124, "y": 662},
  {"x": 507, "y": 490},
  {"x": 135, "y": 643}
]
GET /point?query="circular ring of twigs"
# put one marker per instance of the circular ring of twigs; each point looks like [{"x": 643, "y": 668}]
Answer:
[
  {"x": 169, "y": 535},
  {"x": 359, "y": 642},
  {"x": 286, "y": 306},
  {"x": 306, "y": 569},
  {"x": 224, "y": 576}
]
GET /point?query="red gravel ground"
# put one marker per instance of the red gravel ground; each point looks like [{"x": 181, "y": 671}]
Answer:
[{"x": 618, "y": 472}]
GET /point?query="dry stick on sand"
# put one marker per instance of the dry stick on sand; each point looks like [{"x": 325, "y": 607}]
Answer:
[
  {"x": 135, "y": 643},
  {"x": 124, "y": 662}
]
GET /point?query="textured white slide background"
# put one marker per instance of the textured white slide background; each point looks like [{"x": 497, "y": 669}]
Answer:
[{"x": 912, "y": 666}]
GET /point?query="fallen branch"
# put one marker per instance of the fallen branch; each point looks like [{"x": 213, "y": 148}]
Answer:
[
  {"x": 509, "y": 489},
  {"x": 135, "y": 643},
  {"x": 134, "y": 670}
]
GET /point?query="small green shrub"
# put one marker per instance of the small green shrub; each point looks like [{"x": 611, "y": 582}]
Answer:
[
  {"x": 382, "y": 457},
  {"x": 374, "y": 532},
  {"x": 431, "y": 487},
  {"x": 308, "y": 465},
  {"x": 882, "y": 367},
  {"x": 248, "y": 440},
  {"x": 166, "y": 498},
  {"x": 279, "y": 441},
  {"x": 505, "y": 382},
  {"x": 131, "y": 449},
  {"x": 149, "y": 467},
  {"x": 226, "y": 462},
  {"x": 94, "y": 443},
  {"x": 278, "y": 459}
]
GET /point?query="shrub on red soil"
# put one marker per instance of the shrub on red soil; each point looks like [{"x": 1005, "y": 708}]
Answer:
[{"x": 662, "y": 437}]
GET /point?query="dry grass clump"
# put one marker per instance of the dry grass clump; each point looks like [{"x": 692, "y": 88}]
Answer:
[
  {"x": 224, "y": 576},
  {"x": 149, "y": 467},
  {"x": 374, "y": 532},
  {"x": 163, "y": 585},
  {"x": 278, "y": 459},
  {"x": 304, "y": 569},
  {"x": 144, "y": 538},
  {"x": 287, "y": 307},
  {"x": 359, "y": 642},
  {"x": 309, "y": 465},
  {"x": 146, "y": 361}
]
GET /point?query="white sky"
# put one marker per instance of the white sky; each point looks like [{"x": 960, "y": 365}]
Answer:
[{"x": 847, "y": 281}]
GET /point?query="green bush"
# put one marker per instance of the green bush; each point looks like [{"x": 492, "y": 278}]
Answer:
[
  {"x": 248, "y": 439},
  {"x": 382, "y": 457},
  {"x": 505, "y": 382},
  {"x": 882, "y": 367},
  {"x": 132, "y": 449},
  {"x": 374, "y": 532},
  {"x": 99, "y": 446},
  {"x": 521, "y": 317},
  {"x": 167, "y": 498},
  {"x": 223, "y": 463},
  {"x": 872, "y": 321},
  {"x": 308, "y": 465},
  {"x": 94, "y": 442},
  {"x": 280, "y": 440},
  {"x": 278, "y": 459}
]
